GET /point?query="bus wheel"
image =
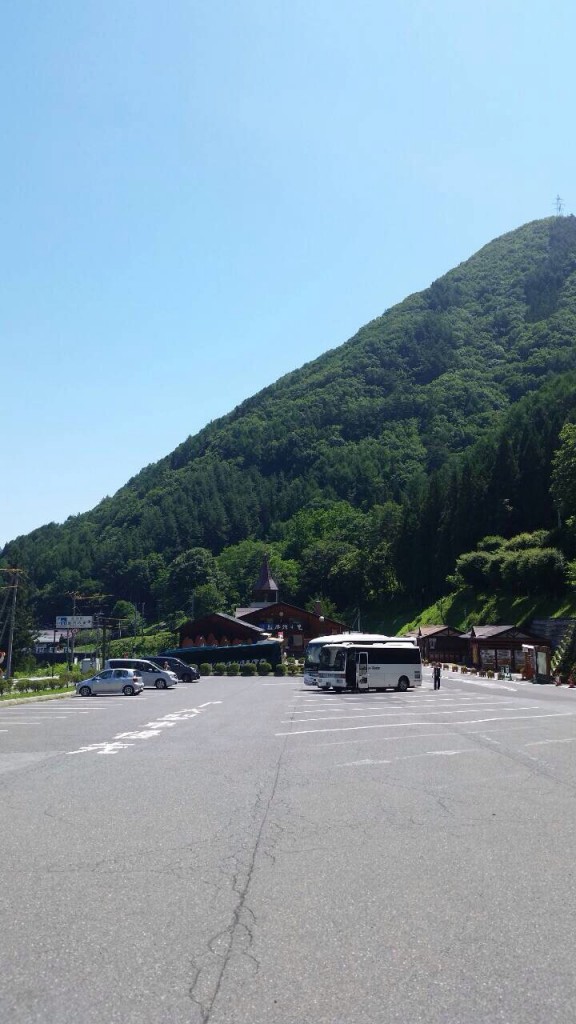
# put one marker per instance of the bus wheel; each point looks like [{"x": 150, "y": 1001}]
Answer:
[{"x": 403, "y": 685}]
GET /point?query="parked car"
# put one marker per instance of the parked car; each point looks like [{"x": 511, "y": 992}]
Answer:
[
  {"x": 151, "y": 674},
  {"x": 112, "y": 680},
  {"x": 186, "y": 673}
]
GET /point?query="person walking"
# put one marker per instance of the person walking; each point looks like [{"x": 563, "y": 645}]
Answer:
[{"x": 436, "y": 676}]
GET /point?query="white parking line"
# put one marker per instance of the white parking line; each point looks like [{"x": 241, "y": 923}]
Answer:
[
  {"x": 406, "y": 757},
  {"x": 404, "y": 714},
  {"x": 405, "y": 725},
  {"x": 390, "y": 739},
  {"x": 542, "y": 743}
]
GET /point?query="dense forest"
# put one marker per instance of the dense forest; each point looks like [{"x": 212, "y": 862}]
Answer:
[{"x": 433, "y": 450}]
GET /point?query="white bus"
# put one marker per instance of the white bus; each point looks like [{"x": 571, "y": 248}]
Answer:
[
  {"x": 312, "y": 655},
  {"x": 392, "y": 665}
]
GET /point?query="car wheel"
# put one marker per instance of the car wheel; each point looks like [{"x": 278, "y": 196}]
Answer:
[
  {"x": 160, "y": 684},
  {"x": 84, "y": 691},
  {"x": 186, "y": 678},
  {"x": 402, "y": 685},
  {"x": 128, "y": 690}
]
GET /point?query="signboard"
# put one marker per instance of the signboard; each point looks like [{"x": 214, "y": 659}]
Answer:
[
  {"x": 488, "y": 657},
  {"x": 74, "y": 621}
]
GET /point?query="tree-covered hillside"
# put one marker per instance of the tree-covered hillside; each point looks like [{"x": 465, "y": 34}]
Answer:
[{"x": 365, "y": 473}]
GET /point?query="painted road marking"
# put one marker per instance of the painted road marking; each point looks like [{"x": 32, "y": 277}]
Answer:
[
  {"x": 404, "y": 714},
  {"x": 541, "y": 743},
  {"x": 406, "y": 757},
  {"x": 404, "y": 725},
  {"x": 146, "y": 732},
  {"x": 405, "y": 708},
  {"x": 390, "y": 739}
]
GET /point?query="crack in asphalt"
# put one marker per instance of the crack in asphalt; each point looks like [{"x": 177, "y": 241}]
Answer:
[{"x": 238, "y": 936}]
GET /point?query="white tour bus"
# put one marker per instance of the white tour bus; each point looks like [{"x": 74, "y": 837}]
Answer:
[
  {"x": 392, "y": 665},
  {"x": 312, "y": 655}
]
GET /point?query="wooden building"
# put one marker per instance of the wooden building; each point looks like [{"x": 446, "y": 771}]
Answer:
[
  {"x": 505, "y": 647},
  {"x": 265, "y": 617},
  {"x": 295, "y": 626},
  {"x": 218, "y": 630},
  {"x": 289, "y": 623},
  {"x": 441, "y": 644}
]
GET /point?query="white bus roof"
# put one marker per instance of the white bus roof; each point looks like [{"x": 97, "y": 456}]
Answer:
[
  {"x": 355, "y": 638},
  {"x": 394, "y": 641}
]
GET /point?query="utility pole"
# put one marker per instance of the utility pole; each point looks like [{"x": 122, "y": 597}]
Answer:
[
  {"x": 16, "y": 580},
  {"x": 71, "y": 662},
  {"x": 559, "y": 206}
]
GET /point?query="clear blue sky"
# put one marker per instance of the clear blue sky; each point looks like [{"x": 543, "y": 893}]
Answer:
[{"x": 198, "y": 197}]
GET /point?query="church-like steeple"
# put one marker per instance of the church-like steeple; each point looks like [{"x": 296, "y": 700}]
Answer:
[{"x": 266, "y": 589}]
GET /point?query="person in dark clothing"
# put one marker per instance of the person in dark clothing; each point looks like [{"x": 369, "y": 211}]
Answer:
[{"x": 436, "y": 676}]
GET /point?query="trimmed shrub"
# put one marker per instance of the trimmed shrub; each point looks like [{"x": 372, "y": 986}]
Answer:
[
  {"x": 264, "y": 668},
  {"x": 280, "y": 670},
  {"x": 5, "y": 685},
  {"x": 233, "y": 668},
  {"x": 205, "y": 669},
  {"x": 248, "y": 669},
  {"x": 219, "y": 668}
]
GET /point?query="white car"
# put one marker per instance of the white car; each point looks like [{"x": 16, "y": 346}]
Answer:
[
  {"x": 151, "y": 674},
  {"x": 111, "y": 680}
]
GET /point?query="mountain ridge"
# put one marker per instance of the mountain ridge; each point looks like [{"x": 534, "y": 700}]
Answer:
[{"x": 365, "y": 425}]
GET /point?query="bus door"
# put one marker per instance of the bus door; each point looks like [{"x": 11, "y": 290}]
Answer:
[{"x": 363, "y": 670}]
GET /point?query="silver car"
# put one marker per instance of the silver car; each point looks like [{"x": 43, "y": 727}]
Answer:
[
  {"x": 151, "y": 675},
  {"x": 112, "y": 680}
]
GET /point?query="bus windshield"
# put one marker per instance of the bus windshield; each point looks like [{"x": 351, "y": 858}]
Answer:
[{"x": 312, "y": 658}]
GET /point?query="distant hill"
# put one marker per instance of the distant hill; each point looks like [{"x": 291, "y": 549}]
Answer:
[{"x": 339, "y": 466}]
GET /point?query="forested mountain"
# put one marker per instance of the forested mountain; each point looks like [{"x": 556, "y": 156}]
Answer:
[{"x": 365, "y": 473}]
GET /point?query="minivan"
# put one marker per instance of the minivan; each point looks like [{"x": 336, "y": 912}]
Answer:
[
  {"x": 186, "y": 673},
  {"x": 151, "y": 674}
]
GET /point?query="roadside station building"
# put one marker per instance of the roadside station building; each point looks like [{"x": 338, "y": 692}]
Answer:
[
  {"x": 501, "y": 647},
  {"x": 218, "y": 630},
  {"x": 289, "y": 623},
  {"x": 441, "y": 644},
  {"x": 266, "y": 617}
]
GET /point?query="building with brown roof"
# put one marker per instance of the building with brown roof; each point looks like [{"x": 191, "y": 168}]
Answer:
[
  {"x": 265, "y": 617},
  {"x": 505, "y": 647},
  {"x": 440, "y": 643}
]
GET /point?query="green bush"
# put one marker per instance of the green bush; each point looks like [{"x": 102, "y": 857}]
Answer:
[
  {"x": 22, "y": 685},
  {"x": 205, "y": 669},
  {"x": 248, "y": 669},
  {"x": 232, "y": 668},
  {"x": 264, "y": 668},
  {"x": 219, "y": 668},
  {"x": 280, "y": 670}
]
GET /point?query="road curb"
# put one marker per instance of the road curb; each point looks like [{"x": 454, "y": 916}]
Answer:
[{"x": 32, "y": 698}]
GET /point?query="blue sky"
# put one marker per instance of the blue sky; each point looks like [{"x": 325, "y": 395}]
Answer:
[{"x": 200, "y": 197}]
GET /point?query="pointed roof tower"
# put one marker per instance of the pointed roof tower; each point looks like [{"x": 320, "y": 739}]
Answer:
[{"x": 266, "y": 589}]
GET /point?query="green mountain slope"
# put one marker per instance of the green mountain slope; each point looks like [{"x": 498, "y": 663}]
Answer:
[{"x": 372, "y": 430}]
